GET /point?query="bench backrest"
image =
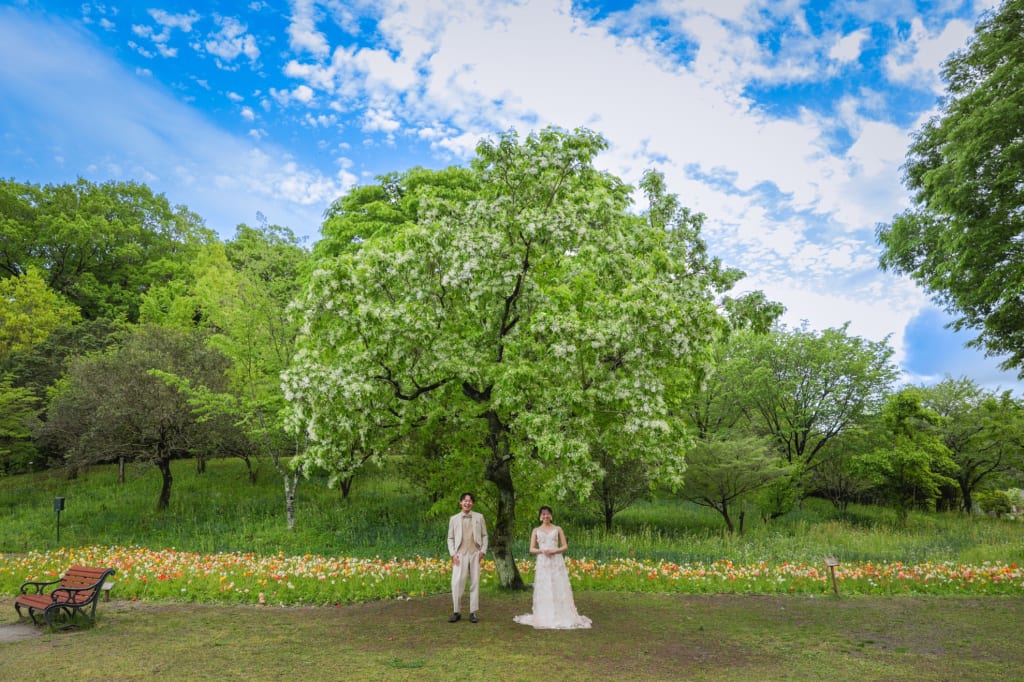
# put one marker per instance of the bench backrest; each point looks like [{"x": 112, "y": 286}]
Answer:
[{"x": 79, "y": 577}]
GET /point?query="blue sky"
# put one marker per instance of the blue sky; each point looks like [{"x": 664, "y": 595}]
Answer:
[{"x": 786, "y": 122}]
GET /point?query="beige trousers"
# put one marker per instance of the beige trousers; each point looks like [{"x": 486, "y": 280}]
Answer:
[{"x": 468, "y": 567}]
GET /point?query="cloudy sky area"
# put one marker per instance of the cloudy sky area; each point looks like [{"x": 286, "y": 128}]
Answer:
[{"x": 784, "y": 121}]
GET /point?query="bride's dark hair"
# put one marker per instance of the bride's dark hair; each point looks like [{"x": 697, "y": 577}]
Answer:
[{"x": 541, "y": 510}]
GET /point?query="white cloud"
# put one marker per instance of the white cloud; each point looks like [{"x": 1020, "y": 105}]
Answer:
[
  {"x": 302, "y": 32},
  {"x": 378, "y": 120},
  {"x": 231, "y": 41},
  {"x": 916, "y": 58},
  {"x": 848, "y": 48},
  {"x": 182, "y": 22}
]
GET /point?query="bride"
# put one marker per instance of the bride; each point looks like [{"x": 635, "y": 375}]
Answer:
[{"x": 553, "y": 606}]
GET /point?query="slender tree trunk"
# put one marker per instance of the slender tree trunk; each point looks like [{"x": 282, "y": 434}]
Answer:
[
  {"x": 724, "y": 511},
  {"x": 120, "y": 469},
  {"x": 291, "y": 481},
  {"x": 164, "y": 464}
]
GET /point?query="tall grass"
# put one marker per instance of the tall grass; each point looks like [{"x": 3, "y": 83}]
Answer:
[{"x": 220, "y": 511}]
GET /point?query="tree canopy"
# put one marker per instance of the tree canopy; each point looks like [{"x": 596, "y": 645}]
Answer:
[
  {"x": 963, "y": 238},
  {"x": 100, "y": 245},
  {"x": 521, "y": 304}
]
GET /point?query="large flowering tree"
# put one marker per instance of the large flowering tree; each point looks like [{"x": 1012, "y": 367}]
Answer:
[{"x": 519, "y": 304}]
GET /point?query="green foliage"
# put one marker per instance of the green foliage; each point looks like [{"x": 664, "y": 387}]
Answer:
[
  {"x": 982, "y": 430},
  {"x": 806, "y": 388},
  {"x": 961, "y": 238},
  {"x": 622, "y": 483},
  {"x": 996, "y": 502},
  {"x": 126, "y": 402},
  {"x": 239, "y": 293},
  {"x": 912, "y": 468},
  {"x": 521, "y": 304},
  {"x": 720, "y": 473},
  {"x": 101, "y": 245},
  {"x": 18, "y": 410},
  {"x": 30, "y": 311}
]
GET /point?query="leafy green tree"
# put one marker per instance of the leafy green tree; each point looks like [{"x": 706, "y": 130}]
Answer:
[
  {"x": 116, "y": 404},
  {"x": 961, "y": 239},
  {"x": 521, "y": 303},
  {"x": 837, "y": 477},
  {"x": 720, "y": 473},
  {"x": 30, "y": 311},
  {"x": 101, "y": 245},
  {"x": 18, "y": 410},
  {"x": 805, "y": 388},
  {"x": 239, "y": 292},
  {"x": 982, "y": 430},
  {"x": 41, "y": 365},
  {"x": 622, "y": 483},
  {"x": 910, "y": 470}
]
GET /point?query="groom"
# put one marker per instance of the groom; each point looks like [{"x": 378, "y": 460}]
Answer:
[{"x": 467, "y": 543}]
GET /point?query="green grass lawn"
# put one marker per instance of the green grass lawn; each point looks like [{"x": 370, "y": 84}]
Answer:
[{"x": 635, "y": 637}]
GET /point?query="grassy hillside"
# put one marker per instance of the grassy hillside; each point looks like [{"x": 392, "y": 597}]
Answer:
[{"x": 220, "y": 511}]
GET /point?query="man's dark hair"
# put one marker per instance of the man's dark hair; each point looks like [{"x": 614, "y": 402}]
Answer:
[{"x": 465, "y": 495}]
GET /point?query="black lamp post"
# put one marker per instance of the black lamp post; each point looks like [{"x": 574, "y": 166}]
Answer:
[{"x": 58, "y": 505}]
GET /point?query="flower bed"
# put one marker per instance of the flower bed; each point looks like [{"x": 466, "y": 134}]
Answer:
[{"x": 169, "y": 574}]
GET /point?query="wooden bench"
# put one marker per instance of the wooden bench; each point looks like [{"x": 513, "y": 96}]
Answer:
[{"x": 76, "y": 592}]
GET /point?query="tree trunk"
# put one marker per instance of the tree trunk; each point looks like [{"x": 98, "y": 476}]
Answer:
[
  {"x": 965, "y": 492},
  {"x": 290, "y": 483},
  {"x": 499, "y": 472},
  {"x": 120, "y": 469},
  {"x": 724, "y": 511},
  {"x": 164, "y": 464}
]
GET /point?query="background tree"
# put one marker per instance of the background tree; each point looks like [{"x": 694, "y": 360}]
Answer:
[
  {"x": 721, "y": 472},
  {"x": 114, "y": 404},
  {"x": 18, "y": 410},
  {"x": 30, "y": 311},
  {"x": 805, "y": 388},
  {"x": 983, "y": 432},
  {"x": 837, "y": 477},
  {"x": 910, "y": 470},
  {"x": 101, "y": 245},
  {"x": 622, "y": 482},
  {"x": 522, "y": 302},
  {"x": 238, "y": 293},
  {"x": 961, "y": 238}
]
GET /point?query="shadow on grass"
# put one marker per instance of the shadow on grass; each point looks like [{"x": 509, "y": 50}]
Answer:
[{"x": 635, "y": 637}]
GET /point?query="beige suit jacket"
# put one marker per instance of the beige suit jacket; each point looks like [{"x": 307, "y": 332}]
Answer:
[{"x": 455, "y": 532}]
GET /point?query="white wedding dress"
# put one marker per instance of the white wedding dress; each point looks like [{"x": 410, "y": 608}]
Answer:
[{"x": 553, "y": 605}]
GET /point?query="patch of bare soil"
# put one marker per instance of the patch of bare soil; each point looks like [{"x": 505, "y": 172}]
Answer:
[{"x": 16, "y": 632}]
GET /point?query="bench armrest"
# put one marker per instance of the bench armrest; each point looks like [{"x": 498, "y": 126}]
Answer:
[
  {"x": 70, "y": 595},
  {"x": 36, "y": 586}
]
